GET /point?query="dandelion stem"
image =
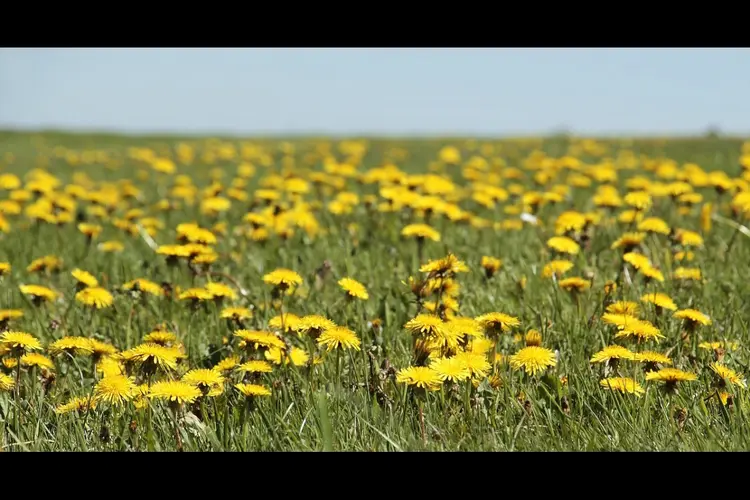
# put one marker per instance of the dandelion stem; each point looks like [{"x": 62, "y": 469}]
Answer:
[
  {"x": 16, "y": 395},
  {"x": 421, "y": 423}
]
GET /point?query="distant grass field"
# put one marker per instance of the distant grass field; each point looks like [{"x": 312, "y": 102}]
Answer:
[{"x": 165, "y": 293}]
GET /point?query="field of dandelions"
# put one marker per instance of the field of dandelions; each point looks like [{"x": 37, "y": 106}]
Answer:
[{"x": 165, "y": 294}]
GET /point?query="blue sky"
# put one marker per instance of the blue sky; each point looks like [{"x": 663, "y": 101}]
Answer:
[{"x": 489, "y": 92}]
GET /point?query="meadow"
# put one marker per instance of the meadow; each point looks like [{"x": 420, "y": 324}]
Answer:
[{"x": 324, "y": 294}]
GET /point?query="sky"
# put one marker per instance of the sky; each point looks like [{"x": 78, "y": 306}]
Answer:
[{"x": 459, "y": 92}]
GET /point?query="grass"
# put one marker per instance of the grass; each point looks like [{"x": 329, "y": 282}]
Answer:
[{"x": 351, "y": 399}]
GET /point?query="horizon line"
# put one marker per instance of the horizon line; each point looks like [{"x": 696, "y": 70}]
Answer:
[{"x": 301, "y": 134}]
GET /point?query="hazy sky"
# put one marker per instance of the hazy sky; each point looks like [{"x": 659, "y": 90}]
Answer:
[{"x": 386, "y": 91}]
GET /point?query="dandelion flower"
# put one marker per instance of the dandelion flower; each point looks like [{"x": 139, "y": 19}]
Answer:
[
  {"x": 728, "y": 376},
  {"x": 195, "y": 295},
  {"x": 252, "y": 390},
  {"x": 475, "y": 362},
  {"x": 6, "y": 382},
  {"x": 468, "y": 327},
  {"x": 152, "y": 356},
  {"x": 84, "y": 278},
  {"x": 426, "y": 325},
  {"x": 144, "y": 285},
  {"x": 670, "y": 377},
  {"x": 260, "y": 339},
  {"x": 96, "y": 297},
  {"x": 255, "y": 366},
  {"x": 533, "y": 359},
  {"x": 624, "y": 307},
  {"x": 90, "y": 230},
  {"x": 491, "y": 265},
  {"x": 450, "y": 369},
  {"x": 313, "y": 325},
  {"x": 563, "y": 244},
  {"x": 205, "y": 379},
  {"x": 227, "y": 364},
  {"x": 282, "y": 278},
  {"x": 115, "y": 390},
  {"x": 619, "y": 320},
  {"x": 422, "y": 377},
  {"x": 296, "y": 356},
  {"x": 160, "y": 337},
  {"x": 533, "y": 338},
  {"x": 622, "y": 384},
  {"x": 652, "y": 358},
  {"x": 556, "y": 268},
  {"x": 354, "y": 289},
  {"x": 8, "y": 314},
  {"x": 629, "y": 241},
  {"x": 612, "y": 352},
  {"x": 445, "y": 267},
  {"x": 692, "y": 317},
  {"x": 339, "y": 337},
  {"x": 286, "y": 322},
  {"x": 77, "y": 404},
  {"x": 72, "y": 345},
  {"x": 175, "y": 392},
  {"x": 36, "y": 359},
  {"x": 685, "y": 273},
  {"x": 101, "y": 349},
  {"x": 494, "y": 323},
  {"x": 640, "y": 329},
  {"x": 38, "y": 293},
  {"x": 236, "y": 313},
  {"x": 20, "y": 342},
  {"x": 108, "y": 366},
  {"x": 637, "y": 260},
  {"x": 574, "y": 284},
  {"x": 660, "y": 300},
  {"x": 420, "y": 231},
  {"x": 221, "y": 291}
]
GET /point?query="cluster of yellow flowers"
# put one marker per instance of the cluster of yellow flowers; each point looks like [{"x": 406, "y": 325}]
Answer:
[{"x": 609, "y": 240}]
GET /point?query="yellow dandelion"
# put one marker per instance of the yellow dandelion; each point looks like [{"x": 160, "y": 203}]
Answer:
[
  {"x": 475, "y": 362},
  {"x": 420, "y": 231},
  {"x": 692, "y": 317},
  {"x": 574, "y": 284},
  {"x": 612, "y": 352},
  {"x": 96, "y": 297},
  {"x": 36, "y": 359},
  {"x": 450, "y": 369},
  {"x": 533, "y": 359},
  {"x": 670, "y": 376},
  {"x": 77, "y": 404},
  {"x": 84, "y": 278},
  {"x": 6, "y": 382},
  {"x": 252, "y": 390},
  {"x": 728, "y": 376},
  {"x": 72, "y": 345},
  {"x": 422, "y": 377},
  {"x": 622, "y": 384},
  {"x": 563, "y": 244},
  {"x": 283, "y": 278},
  {"x": 495, "y": 322},
  {"x": 175, "y": 392},
  {"x": 255, "y": 366},
  {"x": 260, "y": 339},
  {"x": 115, "y": 390},
  {"x": 426, "y": 325},
  {"x": 660, "y": 300},
  {"x": 556, "y": 268},
  {"x": 353, "y": 288},
  {"x": 339, "y": 337},
  {"x": 20, "y": 342}
]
